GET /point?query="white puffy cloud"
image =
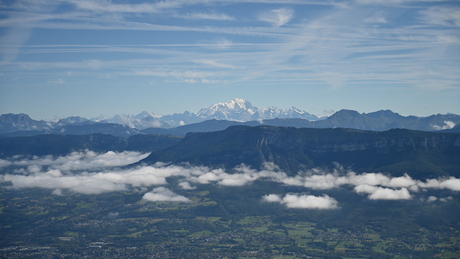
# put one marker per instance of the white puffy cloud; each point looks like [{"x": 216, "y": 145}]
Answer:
[
  {"x": 186, "y": 186},
  {"x": 448, "y": 198},
  {"x": 4, "y": 163},
  {"x": 434, "y": 198},
  {"x": 452, "y": 184},
  {"x": 447, "y": 125},
  {"x": 368, "y": 178},
  {"x": 91, "y": 173},
  {"x": 303, "y": 201},
  {"x": 206, "y": 178},
  {"x": 380, "y": 193},
  {"x": 164, "y": 194},
  {"x": 365, "y": 188},
  {"x": 243, "y": 175},
  {"x": 431, "y": 199},
  {"x": 390, "y": 194},
  {"x": 402, "y": 181},
  {"x": 272, "y": 198},
  {"x": 321, "y": 182},
  {"x": 57, "y": 192}
]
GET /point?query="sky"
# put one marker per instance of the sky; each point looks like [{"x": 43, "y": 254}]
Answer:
[{"x": 100, "y": 58}]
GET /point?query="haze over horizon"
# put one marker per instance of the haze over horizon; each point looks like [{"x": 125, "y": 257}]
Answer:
[{"x": 99, "y": 57}]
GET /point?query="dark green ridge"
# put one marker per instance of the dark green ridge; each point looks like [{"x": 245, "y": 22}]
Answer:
[
  {"x": 397, "y": 151},
  {"x": 58, "y": 145}
]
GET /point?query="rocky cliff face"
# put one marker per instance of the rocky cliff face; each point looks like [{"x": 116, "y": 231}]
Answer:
[
  {"x": 15, "y": 122},
  {"x": 395, "y": 151},
  {"x": 337, "y": 140},
  {"x": 386, "y": 145}
]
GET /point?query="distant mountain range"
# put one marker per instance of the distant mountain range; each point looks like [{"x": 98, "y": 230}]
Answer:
[
  {"x": 235, "y": 110},
  {"x": 219, "y": 117}
]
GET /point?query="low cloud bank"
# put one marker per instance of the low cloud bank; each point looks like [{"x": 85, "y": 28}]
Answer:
[
  {"x": 378, "y": 186},
  {"x": 92, "y": 173},
  {"x": 83, "y": 160}
]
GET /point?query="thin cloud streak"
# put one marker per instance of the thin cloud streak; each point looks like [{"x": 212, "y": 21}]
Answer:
[
  {"x": 308, "y": 47},
  {"x": 442, "y": 16},
  {"x": 108, "y": 6},
  {"x": 329, "y": 41},
  {"x": 206, "y": 16}
]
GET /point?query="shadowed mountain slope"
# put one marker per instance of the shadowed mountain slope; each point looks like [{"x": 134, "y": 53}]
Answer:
[
  {"x": 398, "y": 151},
  {"x": 57, "y": 145}
]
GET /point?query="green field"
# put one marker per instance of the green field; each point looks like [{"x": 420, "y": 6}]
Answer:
[{"x": 230, "y": 222}]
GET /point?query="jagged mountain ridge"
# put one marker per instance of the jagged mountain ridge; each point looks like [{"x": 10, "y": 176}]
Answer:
[
  {"x": 242, "y": 110},
  {"x": 235, "y": 110},
  {"x": 220, "y": 116},
  {"x": 378, "y": 121}
]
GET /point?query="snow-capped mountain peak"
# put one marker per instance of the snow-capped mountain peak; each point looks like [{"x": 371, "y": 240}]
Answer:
[
  {"x": 242, "y": 110},
  {"x": 72, "y": 120},
  {"x": 235, "y": 104},
  {"x": 236, "y": 110},
  {"x": 146, "y": 114}
]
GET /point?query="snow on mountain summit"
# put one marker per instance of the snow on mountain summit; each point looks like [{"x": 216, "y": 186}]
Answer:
[
  {"x": 242, "y": 110},
  {"x": 236, "y": 110}
]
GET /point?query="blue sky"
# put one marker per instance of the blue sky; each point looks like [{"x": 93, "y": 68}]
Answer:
[{"x": 98, "y": 57}]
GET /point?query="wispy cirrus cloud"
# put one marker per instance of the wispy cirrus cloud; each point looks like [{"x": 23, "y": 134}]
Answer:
[
  {"x": 206, "y": 16},
  {"x": 442, "y": 16},
  {"x": 277, "y": 17},
  {"x": 307, "y": 46},
  {"x": 12, "y": 42},
  {"x": 174, "y": 73},
  {"x": 109, "y": 6},
  {"x": 214, "y": 63},
  {"x": 378, "y": 17}
]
